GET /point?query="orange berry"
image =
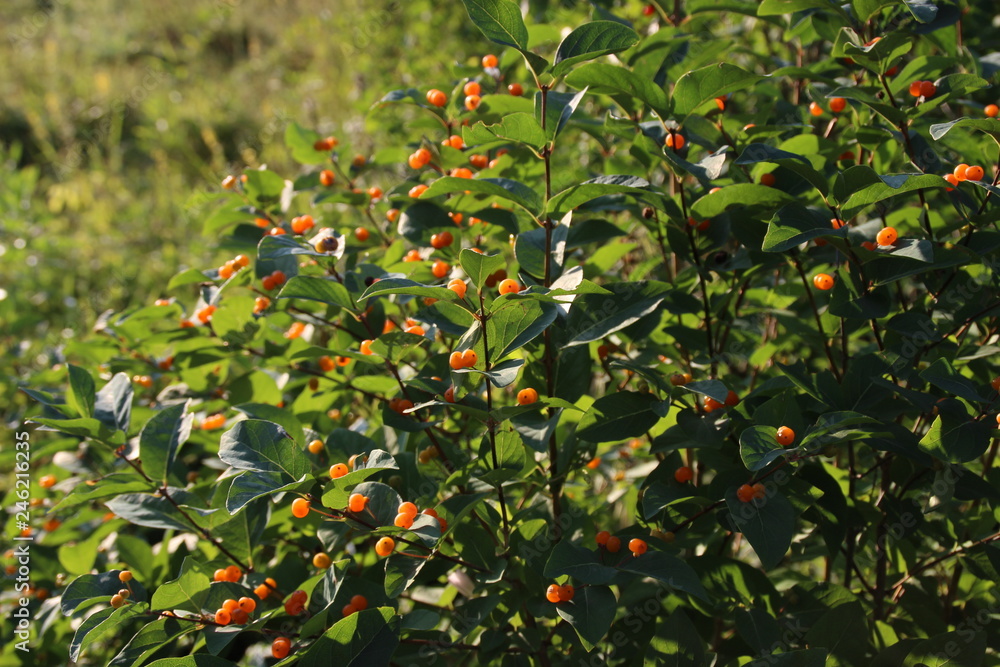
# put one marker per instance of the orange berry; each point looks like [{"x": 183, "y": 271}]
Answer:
[
  {"x": 515, "y": 89},
  {"x": 449, "y": 394},
  {"x": 223, "y": 617},
  {"x": 226, "y": 271},
  {"x": 637, "y": 546},
  {"x": 440, "y": 268},
  {"x": 469, "y": 358},
  {"x": 295, "y": 330},
  {"x": 407, "y": 507},
  {"x": 974, "y": 173},
  {"x": 566, "y": 593},
  {"x": 359, "y": 602},
  {"x": 732, "y": 399},
  {"x": 455, "y": 360},
  {"x": 552, "y": 593},
  {"x": 375, "y": 192},
  {"x": 960, "y": 171},
  {"x": 768, "y": 179},
  {"x": 357, "y": 502},
  {"x": 230, "y": 604},
  {"x": 915, "y": 88},
  {"x": 442, "y": 240},
  {"x": 326, "y": 364},
  {"x": 326, "y": 177},
  {"x": 385, "y": 546},
  {"x": 321, "y": 561},
  {"x": 527, "y": 396},
  {"x": 124, "y": 576},
  {"x": 490, "y": 60},
  {"x": 366, "y": 347},
  {"x": 759, "y": 491},
  {"x": 338, "y": 470},
  {"x": 220, "y": 575},
  {"x": 459, "y": 287},
  {"x": 509, "y": 286},
  {"x": 416, "y": 330},
  {"x": 281, "y": 647},
  {"x": 603, "y": 537},
  {"x": 887, "y": 236},
  {"x": 233, "y": 574},
  {"x": 472, "y": 102},
  {"x": 711, "y": 405},
  {"x": 300, "y": 508},
  {"x": 785, "y": 436},
  {"x": 991, "y": 110},
  {"x": 247, "y": 604},
  {"x": 278, "y": 277},
  {"x": 953, "y": 180},
  {"x": 348, "y": 609},
  {"x": 674, "y": 140},
  {"x": 868, "y": 245},
  {"x": 47, "y": 481},
  {"x": 431, "y": 511},
  {"x": 404, "y": 521},
  {"x": 302, "y": 224},
  {"x": 613, "y": 544},
  {"x": 361, "y": 234},
  {"x": 205, "y": 314},
  {"x": 721, "y": 103},
  {"x": 683, "y": 475},
  {"x": 745, "y": 493},
  {"x": 815, "y": 109},
  {"x": 455, "y": 142},
  {"x": 838, "y": 104},
  {"x": 436, "y": 97},
  {"x": 479, "y": 161},
  {"x": 240, "y": 617},
  {"x": 927, "y": 89},
  {"x": 594, "y": 463},
  {"x": 315, "y": 447},
  {"x": 472, "y": 88},
  {"x": 417, "y": 190},
  {"x": 823, "y": 281},
  {"x": 213, "y": 422}
]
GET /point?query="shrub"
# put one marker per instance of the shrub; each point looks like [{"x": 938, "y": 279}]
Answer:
[{"x": 675, "y": 332}]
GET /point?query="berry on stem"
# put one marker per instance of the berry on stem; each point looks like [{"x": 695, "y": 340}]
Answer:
[
  {"x": 527, "y": 396},
  {"x": 823, "y": 281},
  {"x": 300, "y": 508},
  {"x": 385, "y": 546},
  {"x": 785, "y": 436}
]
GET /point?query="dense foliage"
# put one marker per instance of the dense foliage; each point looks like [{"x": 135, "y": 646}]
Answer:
[{"x": 660, "y": 340}]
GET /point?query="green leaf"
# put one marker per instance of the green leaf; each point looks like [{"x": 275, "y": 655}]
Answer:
[
  {"x": 956, "y": 439},
  {"x": 187, "y": 592},
  {"x": 755, "y": 153},
  {"x": 406, "y": 286},
  {"x": 503, "y": 188},
  {"x": 739, "y": 195},
  {"x": 768, "y": 524},
  {"x": 950, "y": 649},
  {"x": 583, "y": 565},
  {"x": 479, "y": 266},
  {"x": 161, "y": 437},
  {"x": 197, "y": 660},
  {"x": 109, "y": 485},
  {"x": 515, "y": 323},
  {"x": 615, "y": 79},
  {"x": 80, "y": 396},
  {"x": 511, "y": 456},
  {"x": 676, "y": 643},
  {"x": 113, "y": 403},
  {"x": 285, "y": 245},
  {"x": 943, "y": 376},
  {"x": 500, "y": 21},
  {"x": 613, "y": 417},
  {"x": 592, "y": 40},
  {"x": 151, "y": 511},
  {"x": 521, "y": 128},
  {"x": 811, "y": 657},
  {"x": 669, "y": 570},
  {"x": 859, "y": 187},
  {"x": 990, "y": 126},
  {"x": 714, "y": 388},
  {"x": 594, "y": 316},
  {"x": 324, "y": 290},
  {"x": 264, "y": 187},
  {"x": 280, "y": 416},
  {"x": 263, "y": 446},
  {"x": 579, "y": 194},
  {"x": 590, "y": 612},
  {"x": 89, "y": 589},
  {"x": 101, "y": 625},
  {"x": 843, "y": 631},
  {"x": 794, "y": 224},
  {"x": 500, "y": 375},
  {"x": 151, "y": 639},
  {"x": 365, "y": 638},
  {"x": 777, "y": 7},
  {"x": 759, "y": 447},
  {"x": 300, "y": 142},
  {"x": 695, "y": 88},
  {"x": 84, "y": 427}
]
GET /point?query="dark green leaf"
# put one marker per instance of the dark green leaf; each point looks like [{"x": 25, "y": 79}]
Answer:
[
  {"x": 324, "y": 290},
  {"x": 613, "y": 417},
  {"x": 592, "y": 40},
  {"x": 80, "y": 396},
  {"x": 590, "y": 612},
  {"x": 701, "y": 85},
  {"x": 160, "y": 439},
  {"x": 503, "y": 188}
]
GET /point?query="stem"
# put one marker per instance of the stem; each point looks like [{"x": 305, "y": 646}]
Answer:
[
  {"x": 819, "y": 322},
  {"x": 490, "y": 423}
]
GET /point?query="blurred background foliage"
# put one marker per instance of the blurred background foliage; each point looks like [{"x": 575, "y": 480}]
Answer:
[{"x": 119, "y": 119}]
